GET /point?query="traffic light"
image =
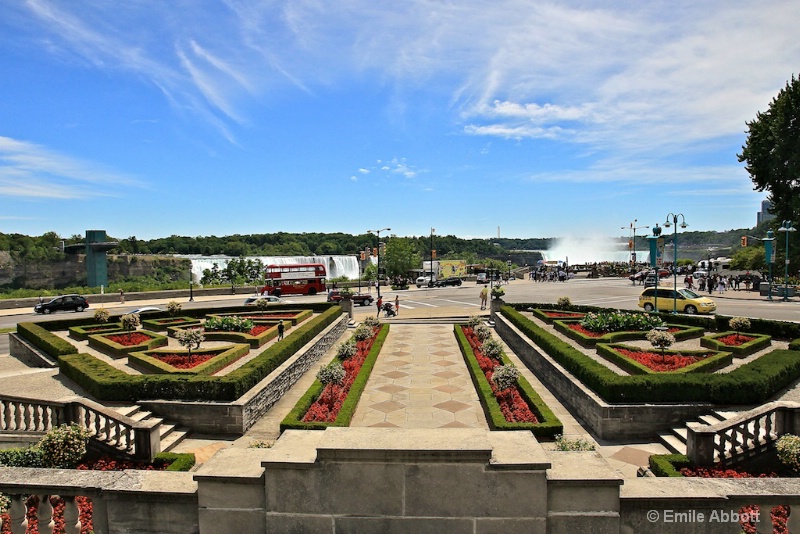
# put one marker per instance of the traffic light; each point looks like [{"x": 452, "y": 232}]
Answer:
[
  {"x": 630, "y": 243},
  {"x": 374, "y": 251},
  {"x": 744, "y": 240}
]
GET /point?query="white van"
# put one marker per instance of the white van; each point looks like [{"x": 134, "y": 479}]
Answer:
[{"x": 425, "y": 281}]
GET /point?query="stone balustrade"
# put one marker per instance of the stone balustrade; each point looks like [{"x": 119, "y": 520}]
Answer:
[{"x": 745, "y": 434}]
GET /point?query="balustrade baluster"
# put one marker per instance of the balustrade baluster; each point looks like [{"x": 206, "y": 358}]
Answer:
[
  {"x": 17, "y": 515},
  {"x": 45, "y": 515},
  {"x": 770, "y": 425},
  {"x": 17, "y": 416},
  {"x": 26, "y": 412},
  {"x": 97, "y": 430},
  {"x": 3, "y": 415},
  {"x": 37, "y": 417},
  {"x": 128, "y": 438},
  {"x": 47, "y": 418},
  {"x": 72, "y": 524}
]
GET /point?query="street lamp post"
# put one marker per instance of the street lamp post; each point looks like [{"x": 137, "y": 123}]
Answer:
[
  {"x": 667, "y": 224},
  {"x": 378, "y": 233},
  {"x": 770, "y": 258},
  {"x": 430, "y": 280},
  {"x": 786, "y": 227},
  {"x": 191, "y": 284},
  {"x": 633, "y": 229}
]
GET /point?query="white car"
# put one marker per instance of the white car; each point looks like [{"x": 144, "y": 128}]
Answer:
[
  {"x": 146, "y": 309},
  {"x": 251, "y": 301}
]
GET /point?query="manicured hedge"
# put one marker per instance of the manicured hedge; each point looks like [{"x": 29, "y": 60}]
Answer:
[
  {"x": 82, "y": 333},
  {"x": 706, "y": 365},
  {"x": 548, "y": 426},
  {"x": 102, "y": 343},
  {"x": 224, "y": 356},
  {"x": 685, "y": 332},
  {"x": 753, "y": 383},
  {"x": 178, "y": 461},
  {"x": 293, "y": 419},
  {"x": 668, "y": 465},
  {"x": 108, "y": 383},
  {"x": 161, "y": 324},
  {"x": 542, "y": 315},
  {"x": 50, "y": 343},
  {"x": 761, "y": 341}
]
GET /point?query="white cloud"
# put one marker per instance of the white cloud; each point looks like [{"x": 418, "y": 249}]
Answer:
[{"x": 363, "y": 171}]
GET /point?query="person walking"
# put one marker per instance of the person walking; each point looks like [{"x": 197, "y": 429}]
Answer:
[
  {"x": 280, "y": 329},
  {"x": 397, "y": 304},
  {"x": 484, "y": 296},
  {"x": 380, "y": 305},
  {"x": 121, "y": 296}
]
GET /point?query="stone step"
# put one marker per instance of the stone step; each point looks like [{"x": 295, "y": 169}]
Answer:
[
  {"x": 170, "y": 434},
  {"x": 171, "y": 439},
  {"x": 672, "y": 443},
  {"x": 710, "y": 419}
]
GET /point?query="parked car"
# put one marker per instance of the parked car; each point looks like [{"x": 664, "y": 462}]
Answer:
[
  {"x": 451, "y": 281},
  {"x": 425, "y": 281},
  {"x": 687, "y": 300},
  {"x": 252, "y": 301},
  {"x": 359, "y": 298},
  {"x": 146, "y": 309},
  {"x": 76, "y": 303},
  {"x": 483, "y": 278}
]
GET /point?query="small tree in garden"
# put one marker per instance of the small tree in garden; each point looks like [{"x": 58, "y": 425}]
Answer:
[
  {"x": 483, "y": 332},
  {"x": 474, "y": 321},
  {"x": 788, "y": 447},
  {"x": 261, "y": 304},
  {"x": 346, "y": 350},
  {"x": 131, "y": 321},
  {"x": 739, "y": 324},
  {"x": 64, "y": 447},
  {"x": 564, "y": 303},
  {"x": 505, "y": 376},
  {"x": 371, "y": 321},
  {"x": 101, "y": 315},
  {"x": 363, "y": 332},
  {"x": 492, "y": 348},
  {"x": 660, "y": 339},
  {"x": 333, "y": 373},
  {"x": 174, "y": 308},
  {"x": 190, "y": 339}
]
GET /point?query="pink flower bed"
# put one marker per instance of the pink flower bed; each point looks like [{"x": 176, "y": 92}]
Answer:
[
  {"x": 326, "y": 408},
  {"x": 657, "y": 362},
  {"x": 513, "y": 406}
]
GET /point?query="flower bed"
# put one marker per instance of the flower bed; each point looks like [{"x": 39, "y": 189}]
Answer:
[
  {"x": 122, "y": 343},
  {"x": 637, "y": 361},
  {"x": 549, "y": 316},
  {"x": 164, "y": 323},
  {"x": 82, "y": 333},
  {"x": 740, "y": 345},
  {"x": 334, "y": 405},
  {"x": 292, "y": 316},
  {"x": 587, "y": 338},
  {"x": 509, "y": 405},
  {"x": 203, "y": 362},
  {"x": 257, "y": 336}
]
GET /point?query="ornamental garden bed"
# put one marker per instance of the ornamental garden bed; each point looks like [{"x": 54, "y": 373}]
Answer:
[
  {"x": 163, "y": 324},
  {"x": 741, "y": 345},
  {"x": 292, "y": 317},
  {"x": 122, "y": 343},
  {"x": 512, "y": 408},
  {"x": 82, "y": 333},
  {"x": 256, "y": 337},
  {"x": 588, "y": 339},
  {"x": 206, "y": 361},
  {"x": 549, "y": 316},
  {"x": 327, "y": 405},
  {"x": 637, "y": 361}
]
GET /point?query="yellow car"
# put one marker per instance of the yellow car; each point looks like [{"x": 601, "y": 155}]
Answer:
[{"x": 685, "y": 300}]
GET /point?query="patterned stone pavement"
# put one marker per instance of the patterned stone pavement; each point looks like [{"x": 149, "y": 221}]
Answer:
[{"x": 420, "y": 381}]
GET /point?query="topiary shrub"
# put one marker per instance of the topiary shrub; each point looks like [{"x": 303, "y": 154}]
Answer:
[
  {"x": 483, "y": 332},
  {"x": 788, "y": 447},
  {"x": 333, "y": 373},
  {"x": 346, "y": 350},
  {"x": 174, "y": 308},
  {"x": 505, "y": 376},
  {"x": 101, "y": 315},
  {"x": 363, "y": 332},
  {"x": 130, "y": 321},
  {"x": 63, "y": 447},
  {"x": 492, "y": 348},
  {"x": 564, "y": 303}
]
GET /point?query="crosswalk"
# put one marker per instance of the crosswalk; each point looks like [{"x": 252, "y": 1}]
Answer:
[{"x": 413, "y": 304}]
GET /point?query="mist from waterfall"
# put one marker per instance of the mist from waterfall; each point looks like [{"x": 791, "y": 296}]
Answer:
[
  {"x": 578, "y": 250},
  {"x": 336, "y": 266}
]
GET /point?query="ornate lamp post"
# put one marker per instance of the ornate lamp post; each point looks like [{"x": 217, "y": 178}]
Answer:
[
  {"x": 633, "y": 229},
  {"x": 786, "y": 227},
  {"x": 667, "y": 224},
  {"x": 770, "y": 258},
  {"x": 378, "y": 233},
  {"x": 433, "y": 253},
  {"x": 191, "y": 287}
]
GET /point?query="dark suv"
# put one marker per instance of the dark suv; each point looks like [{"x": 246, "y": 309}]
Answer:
[
  {"x": 75, "y": 303},
  {"x": 452, "y": 281}
]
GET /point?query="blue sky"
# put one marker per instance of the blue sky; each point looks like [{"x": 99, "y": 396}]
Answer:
[{"x": 542, "y": 119}]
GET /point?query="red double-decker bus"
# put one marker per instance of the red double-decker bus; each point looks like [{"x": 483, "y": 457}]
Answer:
[{"x": 294, "y": 279}]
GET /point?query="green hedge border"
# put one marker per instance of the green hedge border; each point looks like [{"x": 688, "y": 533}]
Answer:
[
  {"x": 707, "y": 365},
  {"x": 105, "y": 382},
  {"x": 45, "y": 340},
  {"x": 293, "y": 419},
  {"x": 156, "y": 325},
  {"x": 299, "y": 315},
  {"x": 101, "y": 343},
  {"x": 82, "y": 333},
  {"x": 549, "y": 425},
  {"x": 752, "y": 383},
  {"x": 542, "y": 315},
  {"x": 224, "y": 357},
  {"x": 685, "y": 332},
  {"x": 668, "y": 465},
  {"x": 740, "y": 351}
]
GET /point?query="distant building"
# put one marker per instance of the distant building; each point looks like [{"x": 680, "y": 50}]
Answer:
[{"x": 766, "y": 212}]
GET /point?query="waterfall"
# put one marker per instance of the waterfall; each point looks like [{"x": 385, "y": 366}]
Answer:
[{"x": 336, "y": 266}]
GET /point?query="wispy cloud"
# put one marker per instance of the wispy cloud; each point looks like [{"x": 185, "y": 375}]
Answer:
[{"x": 30, "y": 170}]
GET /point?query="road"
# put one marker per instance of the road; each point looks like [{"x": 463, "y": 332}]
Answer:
[{"x": 465, "y": 300}]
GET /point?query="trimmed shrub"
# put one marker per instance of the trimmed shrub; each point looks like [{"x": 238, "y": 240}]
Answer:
[
  {"x": 668, "y": 465},
  {"x": 178, "y": 461},
  {"x": 51, "y": 344},
  {"x": 101, "y": 315},
  {"x": 573, "y": 444},
  {"x": 64, "y": 447},
  {"x": 333, "y": 373},
  {"x": 788, "y": 447},
  {"x": 21, "y": 457}
]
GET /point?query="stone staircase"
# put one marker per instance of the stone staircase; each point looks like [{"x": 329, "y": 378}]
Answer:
[
  {"x": 171, "y": 435},
  {"x": 675, "y": 439}
]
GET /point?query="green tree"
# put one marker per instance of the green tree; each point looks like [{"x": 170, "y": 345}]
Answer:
[
  {"x": 400, "y": 257},
  {"x": 749, "y": 259},
  {"x": 772, "y": 151}
]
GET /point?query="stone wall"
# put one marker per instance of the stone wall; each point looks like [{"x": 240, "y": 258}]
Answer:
[{"x": 606, "y": 421}]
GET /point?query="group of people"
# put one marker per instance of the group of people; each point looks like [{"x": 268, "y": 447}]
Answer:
[
  {"x": 396, "y": 310},
  {"x": 717, "y": 282},
  {"x": 548, "y": 276}
]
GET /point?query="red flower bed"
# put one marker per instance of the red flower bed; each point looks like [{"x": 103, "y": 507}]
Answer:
[
  {"x": 129, "y": 339},
  {"x": 658, "y": 363},
  {"x": 258, "y": 329},
  {"x": 99, "y": 328},
  {"x": 779, "y": 514},
  {"x": 733, "y": 340},
  {"x": 181, "y": 361},
  {"x": 563, "y": 315},
  {"x": 326, "y": 408},
  {"x": 588, "y": 333},
  {"x": 263, "y": 316},
  {"x": 513, "y": 406}
]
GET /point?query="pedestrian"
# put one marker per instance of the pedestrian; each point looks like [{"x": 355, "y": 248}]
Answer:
[
  {"x": 380, "y": 304},
  {"x": 397, "y": 304},
  {"x": 280, "y": 329},
  {"x": 41, "y": 300},
  {"x": 121, "y": 296},
  {"x": 484, "y": 296}
]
